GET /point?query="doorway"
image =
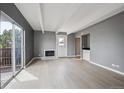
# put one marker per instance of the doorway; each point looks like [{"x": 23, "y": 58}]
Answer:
[{"x": 77, "y": 47}]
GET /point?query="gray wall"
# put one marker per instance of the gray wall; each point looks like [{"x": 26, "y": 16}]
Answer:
[
  {"x": 14, "y": 13},
  {"x": 48, "y": 41},
  {"x": 43, "y": 42},
  {"x": 71, "y": 45},
  {"x": 107, "y": 42}
]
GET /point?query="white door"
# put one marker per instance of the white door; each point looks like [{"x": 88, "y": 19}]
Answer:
[{"x": 61, "y": 45}]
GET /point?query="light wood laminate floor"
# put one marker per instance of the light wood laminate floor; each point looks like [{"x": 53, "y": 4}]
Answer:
[{"x": 65, "y": 73}]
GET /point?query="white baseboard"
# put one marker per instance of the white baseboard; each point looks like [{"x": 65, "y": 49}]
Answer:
[
  {"x": 29, "y": 62},
  {"x": 71, "y": 56},
  {"x": 38, "y": 58},
  {"x": 48, "y": 58},
  {"x": 107, "y": 68}
]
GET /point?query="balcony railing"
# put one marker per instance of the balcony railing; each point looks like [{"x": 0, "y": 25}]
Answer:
[
  {"x": 6, "y": 67},
  {"x": 6, "y": 57}
]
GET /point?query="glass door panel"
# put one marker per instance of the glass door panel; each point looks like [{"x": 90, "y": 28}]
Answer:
[
  {"x": 11, "y": 48},
  {"x": 6, "y": 65},
  {"x": 18, "y": 48}
]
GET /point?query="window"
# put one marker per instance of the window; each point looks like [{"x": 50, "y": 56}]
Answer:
[{"x": 61, "y": 41}]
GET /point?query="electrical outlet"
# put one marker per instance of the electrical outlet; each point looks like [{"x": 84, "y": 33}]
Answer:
[
  {"x": 113, "y": 65},
  {"x": 117, "y": 66}
]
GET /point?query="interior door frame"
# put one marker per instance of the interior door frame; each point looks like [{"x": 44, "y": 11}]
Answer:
[{"x": 76, "y": 46}]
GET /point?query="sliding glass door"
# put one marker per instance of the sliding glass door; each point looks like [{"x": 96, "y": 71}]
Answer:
[
  {"x": 6, "y": 66},
  {"x": 11, "y": 48}
]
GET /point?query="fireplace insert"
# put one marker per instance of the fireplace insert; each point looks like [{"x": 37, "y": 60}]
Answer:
[{"x": 50, "y": 53}]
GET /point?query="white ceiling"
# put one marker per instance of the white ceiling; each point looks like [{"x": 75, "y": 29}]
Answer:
[{"x": 66, "y": 17}]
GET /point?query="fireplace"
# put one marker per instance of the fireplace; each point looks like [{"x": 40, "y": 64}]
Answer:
[{"x": 49, "y": 53}]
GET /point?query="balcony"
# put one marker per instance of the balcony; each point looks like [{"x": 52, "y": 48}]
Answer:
[{"x": 6, "y": 63}]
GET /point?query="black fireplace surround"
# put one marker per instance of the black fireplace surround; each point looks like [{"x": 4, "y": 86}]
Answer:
[{"x": 50, "y": 53}]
